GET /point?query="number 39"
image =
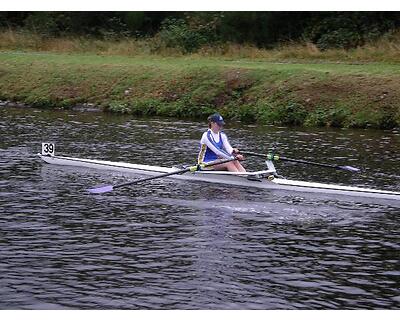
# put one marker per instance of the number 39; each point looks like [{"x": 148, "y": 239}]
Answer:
[{"x": 48, "y": 149}]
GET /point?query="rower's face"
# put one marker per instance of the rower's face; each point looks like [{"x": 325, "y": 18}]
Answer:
[{"x": 215, "y": 126}]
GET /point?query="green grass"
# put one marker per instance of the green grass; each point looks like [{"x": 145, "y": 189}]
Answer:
[
  {"x": 313, "y": 94},
  {"x": 377, "y": 68}
]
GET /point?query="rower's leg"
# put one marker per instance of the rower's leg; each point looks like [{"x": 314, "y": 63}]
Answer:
[
  {"x": 229, "y": 166},
  {"x": 239, "y": 166}
]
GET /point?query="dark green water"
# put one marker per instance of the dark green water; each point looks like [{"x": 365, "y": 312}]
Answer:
[{"x": 179, "y": 245}]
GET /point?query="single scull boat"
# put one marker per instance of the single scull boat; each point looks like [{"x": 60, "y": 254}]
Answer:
[{"x": 266, "y": 179}]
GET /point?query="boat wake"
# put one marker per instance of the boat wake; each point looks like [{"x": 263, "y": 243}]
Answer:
[{"x": 286, "y": 210}]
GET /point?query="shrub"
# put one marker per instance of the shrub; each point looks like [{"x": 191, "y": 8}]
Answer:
[
  {"x": 245, "y": 113},
  {"x": 291, "y": 113},
  {"x": 42, "y": 23},
  {"x": 337, "y": 117},
  {"x": 318, "y": 118},
  {"x": 117, "y": 106},
  {"x": 341, "y": 38},
  {"x": 346, "y": 30},
  {"x": 178, "y": 33}
]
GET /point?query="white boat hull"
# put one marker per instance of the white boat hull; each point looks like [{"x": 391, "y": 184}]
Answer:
[{"x": 229, "y": 178}]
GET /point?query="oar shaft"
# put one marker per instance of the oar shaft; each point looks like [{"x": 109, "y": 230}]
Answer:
[
  {"x": 273, "y": 157},
  {"x": 149, "y": 178},
  {"x": 191, "y": 168},
  {"x": 109, "y": 188},
  {"x": 308, "y": 162},
  {"x": 262, "y": 155}
]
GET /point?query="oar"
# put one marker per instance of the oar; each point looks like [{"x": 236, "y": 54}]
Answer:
[
  {"x": 274, "y": 157},
  {"x": 108, "y": 188}
]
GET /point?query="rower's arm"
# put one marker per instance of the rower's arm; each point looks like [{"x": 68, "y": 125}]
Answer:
[
  {"x": 226, "y": 143},
  {"x": 219, "y": 152}
]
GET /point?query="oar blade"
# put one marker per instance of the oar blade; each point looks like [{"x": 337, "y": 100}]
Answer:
[
  {"x": 102, "y": 189},
  {"x": 349, "y": 168}
]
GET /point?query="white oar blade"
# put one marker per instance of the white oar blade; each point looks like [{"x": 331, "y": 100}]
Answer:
[
  {"x": 350, "y": 168},
  {"x": 102, "y": 189}
]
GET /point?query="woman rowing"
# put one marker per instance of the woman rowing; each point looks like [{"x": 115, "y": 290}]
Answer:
[{"x": 214, "y": 145}]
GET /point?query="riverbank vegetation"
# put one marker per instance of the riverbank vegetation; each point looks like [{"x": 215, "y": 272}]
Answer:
[
  {"x": 323, "y": 94},
  {"x": 273, "y": 36},
  {"x": 385, "y": 49},
  {"x": 312, "y": 69}
]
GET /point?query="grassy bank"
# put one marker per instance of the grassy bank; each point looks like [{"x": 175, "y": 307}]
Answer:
[
  {"x": 311, "y": 94},
  {"x": 384, "y": 49}
]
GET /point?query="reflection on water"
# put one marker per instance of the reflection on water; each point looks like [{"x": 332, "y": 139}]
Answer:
[{"x": 182, "y": 245}]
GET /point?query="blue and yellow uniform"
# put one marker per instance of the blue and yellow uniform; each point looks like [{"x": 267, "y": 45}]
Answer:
[{"x": 214, "y": 146}]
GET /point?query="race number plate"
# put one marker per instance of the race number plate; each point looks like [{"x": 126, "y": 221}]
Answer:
[{"x": 48, "y": 149}]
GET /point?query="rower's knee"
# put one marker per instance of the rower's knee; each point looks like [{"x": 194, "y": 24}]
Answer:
[{"x": 232, "y": 167}]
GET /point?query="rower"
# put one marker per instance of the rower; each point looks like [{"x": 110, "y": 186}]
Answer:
[{"x": 214, "y": 145}]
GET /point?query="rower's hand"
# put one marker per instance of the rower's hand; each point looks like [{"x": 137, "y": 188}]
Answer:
[
  {"x": 236, "y": 153},
  {"x": 239, "y": 157}
]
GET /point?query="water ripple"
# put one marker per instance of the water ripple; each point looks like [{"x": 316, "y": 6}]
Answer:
[{"x": 167, "y": 245}]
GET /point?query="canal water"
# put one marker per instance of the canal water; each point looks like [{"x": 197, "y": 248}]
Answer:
[{"x": 178, "y": 245}]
